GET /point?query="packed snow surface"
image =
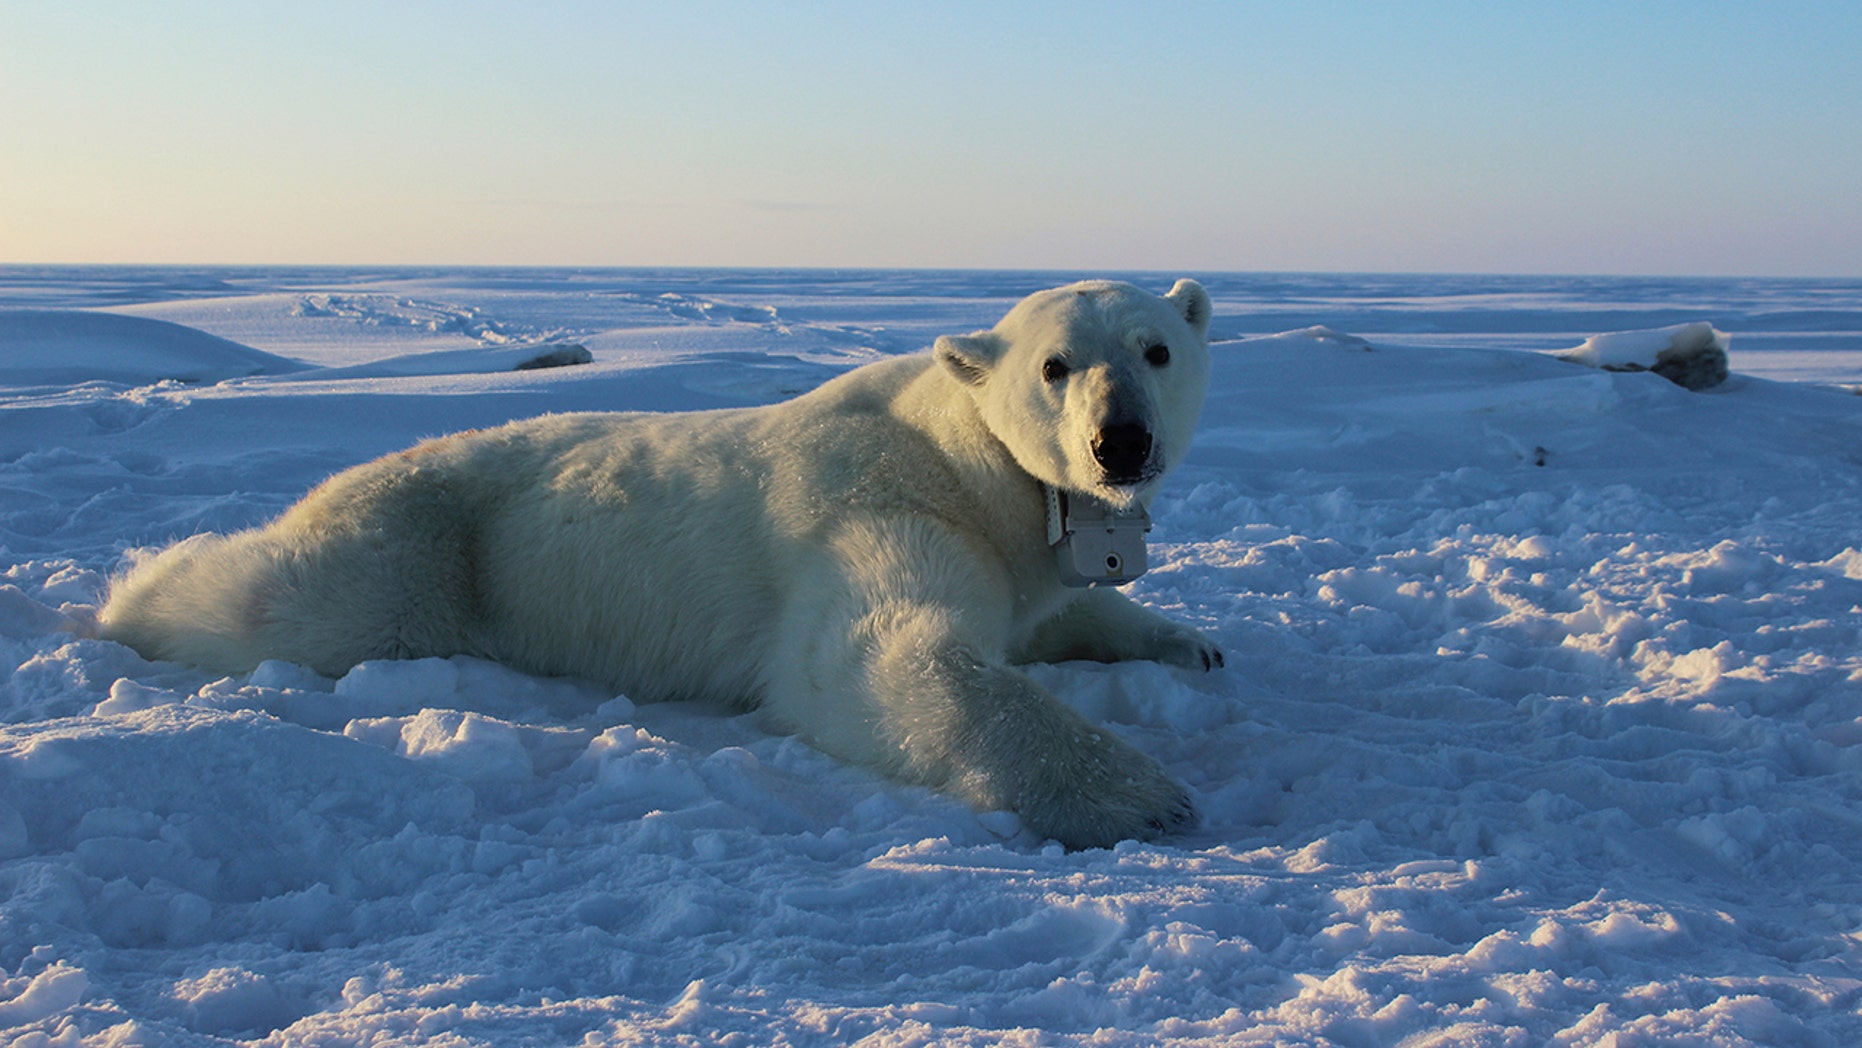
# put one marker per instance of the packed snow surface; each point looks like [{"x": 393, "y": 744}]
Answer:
[
  {"x": 1542, "y": 721},
  {"x": 70, "y": 347}
]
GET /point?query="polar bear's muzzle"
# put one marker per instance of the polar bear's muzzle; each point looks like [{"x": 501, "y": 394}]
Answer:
[{"x": 1123, "y": 451}]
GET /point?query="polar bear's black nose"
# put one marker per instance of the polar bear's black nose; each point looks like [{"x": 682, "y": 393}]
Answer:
[{"x": 1122, "y": 450}]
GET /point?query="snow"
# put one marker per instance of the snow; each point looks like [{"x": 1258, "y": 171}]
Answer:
[
  {"x": 1625, "y": 350},
  {"x": 67, "y": 347},
  {"x": 1692, "y": 355},
  {"x": 1542, "y": 719}
]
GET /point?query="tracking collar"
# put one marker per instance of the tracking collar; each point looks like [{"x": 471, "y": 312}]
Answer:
[{"x": 1095, "y": 543}]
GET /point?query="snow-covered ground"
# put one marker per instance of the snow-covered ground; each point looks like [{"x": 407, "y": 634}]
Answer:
[{"x": 1542, "y": 721}]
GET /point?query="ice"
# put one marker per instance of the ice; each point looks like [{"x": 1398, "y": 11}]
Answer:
[
  {"x": 22, "y": 616},
  {"x": 127, "y": 696},
  {"x": 466, "y": 745},
  {"x": 407, "y": 684},
  {"x": 1691, "y": 355},
  {"x": 465, "y": 362},
  {"x": 231, "y": 1002},
  {"x": 1542, "y": 719},
  {"x": 29, "y": 999}
]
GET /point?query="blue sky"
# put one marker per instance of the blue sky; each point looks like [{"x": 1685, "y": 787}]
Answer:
[{"x": 1641, "y": 137}]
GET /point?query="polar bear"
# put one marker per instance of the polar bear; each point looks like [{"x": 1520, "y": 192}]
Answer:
[{"x": 865, "y": 562}]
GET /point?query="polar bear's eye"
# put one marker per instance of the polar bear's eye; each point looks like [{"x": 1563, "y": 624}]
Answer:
[
  {"x": 1157, "y": 355},
  {"x": 1055, "y": 369}
]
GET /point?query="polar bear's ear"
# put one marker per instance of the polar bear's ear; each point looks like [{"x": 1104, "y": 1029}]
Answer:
[
  {"x": 1193, "y": 303},
  {"x": 969, "y": 357}
]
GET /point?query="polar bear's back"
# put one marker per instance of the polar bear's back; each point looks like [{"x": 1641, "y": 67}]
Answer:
[
  {"x": 650, "y": 552},
  {"x": 637, "y": 550},
  {"x": 654, "y": 552}
]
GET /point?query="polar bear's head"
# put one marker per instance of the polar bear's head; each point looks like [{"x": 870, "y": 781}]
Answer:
[{"x": 1094, "y": 387}]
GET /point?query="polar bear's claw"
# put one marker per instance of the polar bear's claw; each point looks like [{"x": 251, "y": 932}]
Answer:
[
  {"x": 1110, "y": 794},
  {"x": 1182, "y": 816},
  {"x": 1189, "y": 649}
]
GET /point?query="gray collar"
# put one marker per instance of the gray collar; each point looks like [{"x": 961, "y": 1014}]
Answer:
[{"x": 1095, "y": 544}]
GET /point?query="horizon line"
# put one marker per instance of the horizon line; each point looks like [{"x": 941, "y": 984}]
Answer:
[{"x": 817, "y": 268}]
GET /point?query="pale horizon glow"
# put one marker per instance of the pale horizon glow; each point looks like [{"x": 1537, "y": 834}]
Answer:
[{"x": 1698, "y": 139}]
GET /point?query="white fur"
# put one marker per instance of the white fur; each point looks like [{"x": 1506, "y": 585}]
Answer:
[{"x": 865, "y": 562}]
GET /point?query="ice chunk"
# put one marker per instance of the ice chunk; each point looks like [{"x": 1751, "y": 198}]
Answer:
[
  {"x": 21, "y": 616},
  {"x": 127, "y": 696},
  {"x": 232, "y": 1001},
  {"x": 27, "y": 999},
  {"x": 1690, "y": 355},
  {"x": 406, "y": 684},
  {"x": 469, "y": 745}
]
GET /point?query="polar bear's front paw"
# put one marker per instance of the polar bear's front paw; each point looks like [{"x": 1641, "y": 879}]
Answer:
[
  {"x": 1189, "y": 649},
  {"x": 1109, "y": 794}
]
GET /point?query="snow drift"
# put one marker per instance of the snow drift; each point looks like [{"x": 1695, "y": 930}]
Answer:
[{"x": 67, "y": 347}]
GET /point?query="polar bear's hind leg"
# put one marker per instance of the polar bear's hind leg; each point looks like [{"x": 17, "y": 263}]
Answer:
[{"x": 376, "y": 564}]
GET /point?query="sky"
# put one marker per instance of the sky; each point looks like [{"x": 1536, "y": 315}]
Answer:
[{"x": 1652, "y": 137}]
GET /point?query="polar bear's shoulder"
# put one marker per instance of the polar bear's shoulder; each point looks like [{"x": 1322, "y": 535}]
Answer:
[
  {"x": 883, "y": 404},
  {"x": 872, "y": 388}
]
